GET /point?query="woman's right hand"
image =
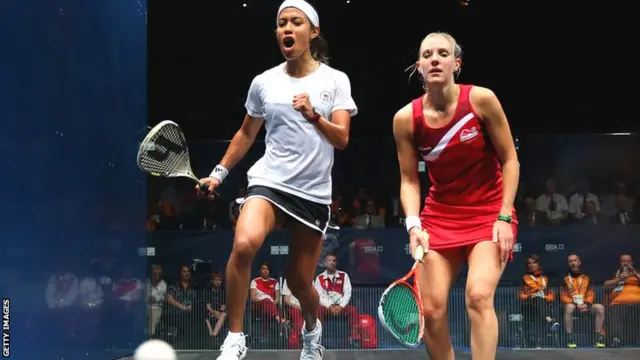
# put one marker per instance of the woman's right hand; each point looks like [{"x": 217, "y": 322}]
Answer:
[
  {"x": 418, "y": 237},
  {"x": 212, "y": 183}
]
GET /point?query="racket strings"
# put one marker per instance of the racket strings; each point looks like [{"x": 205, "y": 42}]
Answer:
[
  {"x": 402, "y": 314},
  {"x": 166, "y": 153}
]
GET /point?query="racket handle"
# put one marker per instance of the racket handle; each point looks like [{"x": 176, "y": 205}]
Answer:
[{"x": 205, "y": 190}]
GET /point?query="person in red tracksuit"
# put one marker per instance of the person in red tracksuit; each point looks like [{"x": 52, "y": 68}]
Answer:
[
  {"x": 462, "y": 134},
  {"x": 265, "y": 295},
  {"x": 334, "y": 288}
]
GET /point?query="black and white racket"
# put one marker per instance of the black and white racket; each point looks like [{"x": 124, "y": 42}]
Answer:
[{"x": 164, "y": 152}]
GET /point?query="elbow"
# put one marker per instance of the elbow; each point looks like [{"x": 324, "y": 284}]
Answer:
[{"x": 342, "y": 143}]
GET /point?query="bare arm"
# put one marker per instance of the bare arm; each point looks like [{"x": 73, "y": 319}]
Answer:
[
  {"x": 254, "y": 295},
  {"x": 611, "y": 283},
  {"x": 242, "y": 141},
  {"x": 336, "y": 131},
  {"x": 408, "y": 160},
  {"x": 171, "y": 300},
  {"x": 489, "y": 109},
  {"x": 287, "y": 300}
]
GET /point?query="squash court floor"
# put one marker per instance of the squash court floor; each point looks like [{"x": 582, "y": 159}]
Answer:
[{"x": 568, "y": 354}]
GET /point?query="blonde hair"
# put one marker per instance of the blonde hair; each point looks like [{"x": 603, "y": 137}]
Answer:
[{"x": 457, "y": 52}]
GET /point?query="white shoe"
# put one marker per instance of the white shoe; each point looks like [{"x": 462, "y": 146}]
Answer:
[
  {"x": 233, "y": 348},
  {"x": 311, "y": 348}
]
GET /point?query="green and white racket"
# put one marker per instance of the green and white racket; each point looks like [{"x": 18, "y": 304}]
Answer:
[{"x": 400, "y": 307}]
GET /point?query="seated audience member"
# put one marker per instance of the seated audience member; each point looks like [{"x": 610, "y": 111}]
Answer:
[
  {"x": 553, "y": 204},
  {"x": 295, "y": 315},
  {"x": 369, "y": 219},
  {"x": 537, "y": 297},
  {"x": 624, "y": 215},
  {"x": 578, "y": 201},
  {"x": 215, "y": 305},
  {"x": 156, "y": 293},
  {"x": 592, "y": 217},
  {"x": 624, "y": 305},
  {"x": 530, "y": 216},
  {"x": 578, "y": 298},
  {"x": 334, "y": 288},
  {"x": 265, "y": 295},
  {"x": 127, "y": 302}
]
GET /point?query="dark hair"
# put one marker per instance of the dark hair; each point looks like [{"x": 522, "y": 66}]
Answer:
[
  {"x": 216, "y": 274},
  {"x": 535, "y": 258},
  {"x": 265, "y": 264},
  {"x": 320, "y": 49}
]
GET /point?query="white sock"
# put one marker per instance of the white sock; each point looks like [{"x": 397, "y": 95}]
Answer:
[{"x": 238, "y": 334}]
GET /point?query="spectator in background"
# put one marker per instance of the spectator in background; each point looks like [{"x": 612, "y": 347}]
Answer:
[
  {"x": 61, "y": 296},
  {"x": 553, "y": 204},
  {"x": 592, "y": 217},
  {"x": 265, "y": 295},
  {"x": 608, "y": 199},
  {"x": 127, "y": 304},
  {"x": 90, "y": 300},
  {"x": 536, "y": 298},
  {"x": 578, "y": 298},
  {"x": 624, "y": 305},
  {"x": 215, "y": 305},
  {"x": 334, "y": 288},
  {"x": 359, "y": 202},
  {"x": 156, "y": 294},
  {"x": 295, "y": 314},
  {"x": 62, "y": 290},
  {"x": 531, "y": 217},
  {"x": 180, "y": 297},
  {"x": 625, "y": 214},
  {"x": 339, "y": 215},
  {"x": 369, "y": 219},
  {"x": 578, "y": 201}
]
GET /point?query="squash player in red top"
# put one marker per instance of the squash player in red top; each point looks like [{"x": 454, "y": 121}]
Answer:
[{"x": 463, "y": 135}]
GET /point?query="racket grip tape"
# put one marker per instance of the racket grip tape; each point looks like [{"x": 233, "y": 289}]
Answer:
[{"x": 204, "y": 188}]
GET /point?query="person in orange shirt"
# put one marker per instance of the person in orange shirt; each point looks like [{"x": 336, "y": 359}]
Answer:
[
  {"x": 625, "y": 299},
  {"x": 577, "y": 294},
  {"x": 536, "y": 298}
]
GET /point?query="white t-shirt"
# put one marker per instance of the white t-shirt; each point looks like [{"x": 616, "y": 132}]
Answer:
[
  {"x": 287, "y": 292},
  {"x": 298, "y": 159}
]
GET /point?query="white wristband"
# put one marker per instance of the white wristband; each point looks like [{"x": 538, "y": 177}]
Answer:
[
  {"x": 219, "y": 173},
  {"x": 413, "y": 221}
]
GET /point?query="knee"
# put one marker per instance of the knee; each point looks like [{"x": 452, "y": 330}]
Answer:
[
  {"x": 570, "y": 308},
  {"x": 479, "y": 298},
  {"x": 598, "y": 308},
  {"x": 246, "y": 245}
]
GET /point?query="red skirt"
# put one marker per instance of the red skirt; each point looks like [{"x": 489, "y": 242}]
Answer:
[{"x": 455, "y": 226}]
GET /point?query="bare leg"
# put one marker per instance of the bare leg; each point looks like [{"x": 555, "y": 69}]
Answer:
[
  {"x": 219, "y": 324},
  {"x": 568, "y": 317},
  {"x": 256, "y": 220},
  {"x": 598, "y": 310},
  {"x": 438, "y": 271},
  {"x": 306, "y": 247},
  {"x": 485, "y": 270}
]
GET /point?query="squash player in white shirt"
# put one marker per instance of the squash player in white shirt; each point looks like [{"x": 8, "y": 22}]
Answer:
[{"x": 306, "y": 107}]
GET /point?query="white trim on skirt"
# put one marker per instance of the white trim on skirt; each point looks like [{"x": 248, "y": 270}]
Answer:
[{"x": 314, "y": 227}]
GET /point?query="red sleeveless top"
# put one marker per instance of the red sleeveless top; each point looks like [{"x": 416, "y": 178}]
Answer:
[{"x": 466, "y": 176}]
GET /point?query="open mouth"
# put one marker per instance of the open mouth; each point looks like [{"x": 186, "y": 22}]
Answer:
[{"x": 288, "y": 42}]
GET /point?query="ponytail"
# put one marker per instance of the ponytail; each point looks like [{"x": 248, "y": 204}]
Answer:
[{"x": 320, "y": 50}]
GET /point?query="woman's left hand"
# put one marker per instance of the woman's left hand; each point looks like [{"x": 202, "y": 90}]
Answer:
[
  {"x": 302, "y": 103},
  {"x": 503, "y": 235}
]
